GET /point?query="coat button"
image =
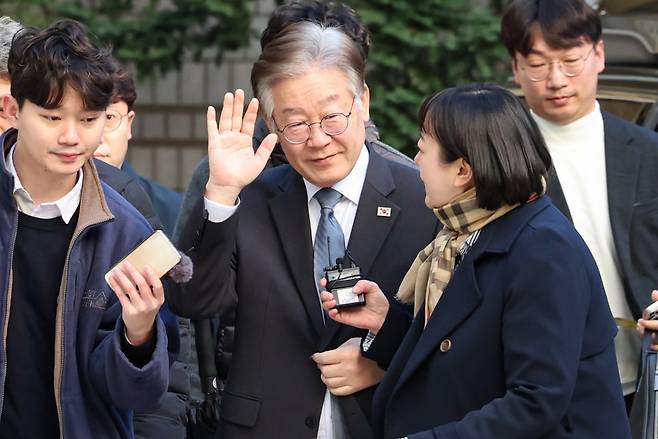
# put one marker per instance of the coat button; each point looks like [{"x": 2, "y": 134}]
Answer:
[
  {"x": 445, "y": 345},
  {"x": 310, "y": 422}
]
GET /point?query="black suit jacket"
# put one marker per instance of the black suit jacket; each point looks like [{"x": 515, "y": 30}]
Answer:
[
  {"x": 631, "y": 156},
  {"x": 261, "y": 261}
]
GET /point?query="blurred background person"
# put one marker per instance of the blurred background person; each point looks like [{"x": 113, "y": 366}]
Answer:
[
  {"x": 604, "y": 177},
  {"x": 114, "y": 147},
  {"x": 169, "y": 419}
]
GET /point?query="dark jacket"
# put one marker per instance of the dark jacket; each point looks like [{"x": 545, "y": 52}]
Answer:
[
  {"x": 169, "y": 418},
  {"x": 165, "y": 201},
  {"x": 129, "y": 188},
  {"x": 192, "y": 209},
  {"x": 96, "y": 386},
  {"x": 261, "y": 260},
  {"x": 631, "y": 165},
  {"x": 520, "y": 346}
]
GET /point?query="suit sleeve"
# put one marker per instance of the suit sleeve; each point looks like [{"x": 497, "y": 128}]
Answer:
[
  {"x": 211, "y": 246},
  {"x": 191, "y": 207},
  {"x": 547, "y": 300}
]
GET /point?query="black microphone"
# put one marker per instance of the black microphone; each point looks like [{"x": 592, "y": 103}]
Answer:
[{"x": 351, "y": 260}]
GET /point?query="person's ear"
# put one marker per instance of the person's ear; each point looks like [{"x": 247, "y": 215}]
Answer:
[
  {"x": 271, "y": 126},
  {"x": 365, "y": 102},
  {"x": 516, "y": 70},
  {"x": 464, "y": 178},
  {"x": 599, "y": 52},
  {"x": 10, "y": 110},
  {"x": 130, "y": 118}
]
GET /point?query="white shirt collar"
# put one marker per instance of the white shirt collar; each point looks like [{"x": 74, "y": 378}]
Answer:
[
  {"x": 350, "y": 186},
  {"x": 64, "y": 207}
]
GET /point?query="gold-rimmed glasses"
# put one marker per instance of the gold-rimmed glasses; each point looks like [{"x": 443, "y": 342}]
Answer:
[{"x": 332, "y": 124}]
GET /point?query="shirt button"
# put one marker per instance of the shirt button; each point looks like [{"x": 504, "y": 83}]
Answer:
[
  {"x": 445, "y": 345},
  {"x": 310, "y": 422}
]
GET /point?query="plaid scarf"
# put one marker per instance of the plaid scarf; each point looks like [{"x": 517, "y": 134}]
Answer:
[{"x": 431, "y": 271}]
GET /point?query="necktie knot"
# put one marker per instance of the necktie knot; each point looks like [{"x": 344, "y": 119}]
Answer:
[{"x": 328, "y": 197}]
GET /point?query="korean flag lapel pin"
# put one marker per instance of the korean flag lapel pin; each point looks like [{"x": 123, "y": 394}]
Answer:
[{"x": 384, "y": 211}]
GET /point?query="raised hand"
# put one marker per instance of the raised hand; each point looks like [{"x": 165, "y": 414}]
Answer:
[
  {"x": 141, "y": 296},
  {"x": 371, "y": 316},
  {"x": 233, "y": 162}
]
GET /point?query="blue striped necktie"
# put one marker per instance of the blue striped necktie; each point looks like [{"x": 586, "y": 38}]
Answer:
[{"x": 329, "y": 239}]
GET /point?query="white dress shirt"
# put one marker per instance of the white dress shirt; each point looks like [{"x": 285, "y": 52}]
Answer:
[
  {"x": 64, "y": 207},
  {"x": 345, "y": 212}
]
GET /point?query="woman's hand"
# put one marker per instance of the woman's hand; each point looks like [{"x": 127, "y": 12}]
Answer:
[
  {"x": 370, "y": 316},
  {"x": 232, "y": 161}
]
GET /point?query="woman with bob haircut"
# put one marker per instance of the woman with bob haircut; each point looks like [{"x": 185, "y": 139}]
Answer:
[{"x": 512, "y": 335}]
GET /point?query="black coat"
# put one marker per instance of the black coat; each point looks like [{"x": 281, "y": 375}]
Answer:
[{"x": 520, "y": 346}]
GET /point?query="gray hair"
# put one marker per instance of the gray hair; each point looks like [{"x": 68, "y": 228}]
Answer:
[
  {"x": 299, "y": 48},
  {"x": 8, "y": 29}
]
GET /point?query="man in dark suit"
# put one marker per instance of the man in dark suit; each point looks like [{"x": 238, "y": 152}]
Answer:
[
  {"x": 256, "y": 252},
  {"x": 604, "y": 176}
]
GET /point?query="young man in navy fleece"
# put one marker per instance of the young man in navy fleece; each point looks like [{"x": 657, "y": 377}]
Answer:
[{"x": 75, "y": 354}]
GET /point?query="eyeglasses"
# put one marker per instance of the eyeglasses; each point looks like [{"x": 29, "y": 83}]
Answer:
[
  {"x": 332, "y": 124},
  {"x": 113, "y": 120},
  {"x": 570, "y": 67}
]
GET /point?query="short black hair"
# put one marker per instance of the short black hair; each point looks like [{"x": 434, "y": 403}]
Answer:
[
  {"x": 44, "y": 63},
  {"x": 326, "y": 13},
  {"x": 563, "y": 24},
  {"x": 124, "y": 86},
  {"x": 488, "y": 127}
]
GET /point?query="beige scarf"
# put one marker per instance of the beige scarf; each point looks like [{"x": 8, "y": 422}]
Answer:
[{"x": 435, "y": 264}]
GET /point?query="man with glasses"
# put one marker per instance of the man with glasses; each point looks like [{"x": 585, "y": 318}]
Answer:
[
  {"x": 332, "y": 124},
  {"x": 168, "y": 419},
  {"x": 114, "y": 148},
  {"x": 266, "y": 239},
  {"x": 604, "y": 176}
]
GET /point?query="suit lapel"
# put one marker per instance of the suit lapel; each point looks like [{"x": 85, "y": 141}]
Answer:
[
  {"x": 554, "y": 190},
  {"x": 622, "y": 162},
  {"x": 290, "y": 216},
  {"x": 369, "y": 231}
]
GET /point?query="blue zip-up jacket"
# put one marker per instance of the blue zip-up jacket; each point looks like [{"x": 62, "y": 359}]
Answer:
[{"x": 96, "y": 386}]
